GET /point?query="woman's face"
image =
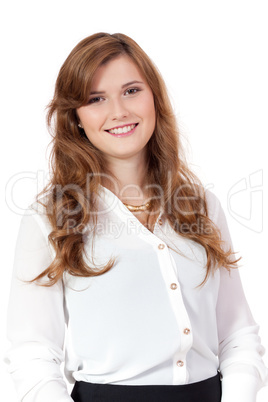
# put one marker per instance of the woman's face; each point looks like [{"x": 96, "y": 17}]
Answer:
[{"x": 119, "y": 118}]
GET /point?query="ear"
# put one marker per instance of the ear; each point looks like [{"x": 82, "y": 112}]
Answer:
[{"x": 78, "y": 120}]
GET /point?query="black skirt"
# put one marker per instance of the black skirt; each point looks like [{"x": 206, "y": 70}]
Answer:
[{"x": 208, "y": 391}]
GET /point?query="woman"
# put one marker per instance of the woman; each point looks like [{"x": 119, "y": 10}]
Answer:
[{"x": 128, "y": 251}]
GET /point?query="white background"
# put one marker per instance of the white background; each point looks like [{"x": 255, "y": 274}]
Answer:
[{"x": 213, "y": 56}]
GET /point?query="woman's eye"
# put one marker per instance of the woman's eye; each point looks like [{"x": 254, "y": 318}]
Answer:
[
  {"x": 132, "y": 91},
  {"x": 94, "y": 100}
]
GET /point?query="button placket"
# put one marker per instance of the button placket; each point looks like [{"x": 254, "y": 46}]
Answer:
[
  {"x": 179, "y": 368},
  {"x": 181, "y": 315}
]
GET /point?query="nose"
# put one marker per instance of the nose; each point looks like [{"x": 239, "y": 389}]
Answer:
[{"x": 118, "y": 110}]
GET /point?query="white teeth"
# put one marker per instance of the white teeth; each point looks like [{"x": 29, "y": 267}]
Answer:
[{"x": 122, "y": 130}]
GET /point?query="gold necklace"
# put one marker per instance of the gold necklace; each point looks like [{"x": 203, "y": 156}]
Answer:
[{"x": 136, "y": 208}]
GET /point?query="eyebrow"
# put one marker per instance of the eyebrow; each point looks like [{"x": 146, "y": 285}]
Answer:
[{"x": 123, "y": 86}]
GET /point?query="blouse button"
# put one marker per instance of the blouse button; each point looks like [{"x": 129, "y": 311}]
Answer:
[
  {"x": 180, "y": 363},
  {"x": 160, "y": 222},
  {"x": 186, "y": 331},
  {"x": 161, "y": 246},
  {"x": 173, "y": 286}
]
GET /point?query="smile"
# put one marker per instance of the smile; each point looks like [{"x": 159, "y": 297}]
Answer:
[{"x": 121, "y": 131}]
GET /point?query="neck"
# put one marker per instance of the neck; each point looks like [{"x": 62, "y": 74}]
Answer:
[{"x": 130, "y": 177}]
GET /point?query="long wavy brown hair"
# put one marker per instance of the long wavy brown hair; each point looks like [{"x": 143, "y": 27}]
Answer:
[{"x": 78, "y": 167}]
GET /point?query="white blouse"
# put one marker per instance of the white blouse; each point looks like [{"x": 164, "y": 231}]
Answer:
[{"x": 145, "y": 321}]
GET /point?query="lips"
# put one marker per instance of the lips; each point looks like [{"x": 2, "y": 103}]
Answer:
[{"x": 125, "y": 129}]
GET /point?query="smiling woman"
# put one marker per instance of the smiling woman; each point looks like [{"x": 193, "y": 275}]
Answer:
[
  {"x": 120, "y": 111},
  {"x": 126, "y": 250}
]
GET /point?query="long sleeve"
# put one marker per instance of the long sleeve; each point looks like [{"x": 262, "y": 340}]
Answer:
[
  {"x": 240, "y": 349},
  {"x": 36, "y": 321}
]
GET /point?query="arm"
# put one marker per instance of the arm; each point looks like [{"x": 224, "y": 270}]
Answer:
[
  {"x": 240, "y": 350},
  {"x": 36, "y": 322}
]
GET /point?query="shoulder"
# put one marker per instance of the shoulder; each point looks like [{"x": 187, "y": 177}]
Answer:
[
  {"x": 33, "y": 234},
  {"x": 36, "y": 215},
  {"x": 213, "y": 205},
  {"x": 217, "y": 215}
]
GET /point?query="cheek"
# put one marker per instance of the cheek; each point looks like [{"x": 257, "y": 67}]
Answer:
[
  {"x": 91, "y": 121},
  {"x": 143, "y": 107},
  {"x": 148, "y": 108}
]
